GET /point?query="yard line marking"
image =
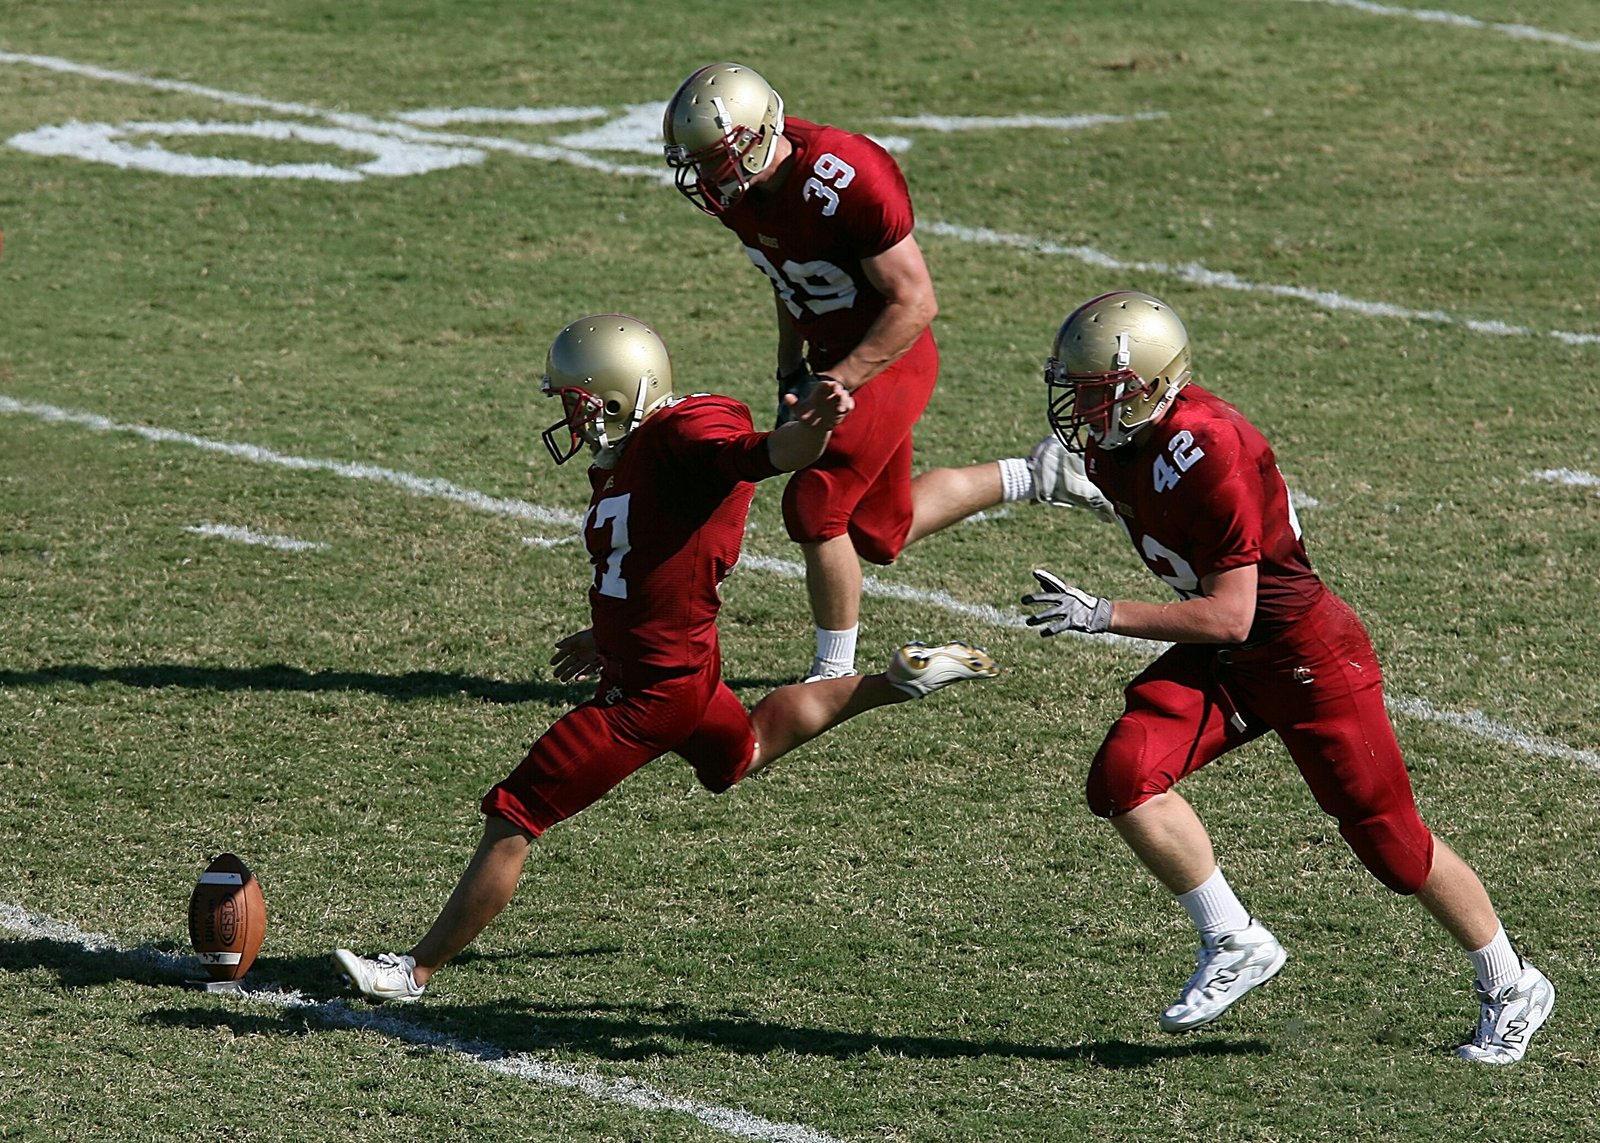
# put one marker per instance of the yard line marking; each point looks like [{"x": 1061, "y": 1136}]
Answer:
[
  {"x": 952, "y": 123},
  {"x": 1191, "y": 272},
  {"x": 626, "y": 1092},
  {"x": 416, "y": 485},
  {"x": 1568, "y": 476},
  {"x": 246, "y": 536},
  {"x": 1478, "y": 724},
  {"x": 1471, "y": 721},
  {"x": 392, "y": 127},
  {"x": 1196, "y": 274},
  {"x": 1434, "y": 16}
]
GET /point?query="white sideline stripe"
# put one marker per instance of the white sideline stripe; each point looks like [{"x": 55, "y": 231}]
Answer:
[
  {"x": 1190, "y": 272},
  {"x": 246, "y": 536},
  {"x": 1568, "y": 476},
  {"x": 416, "y": 485},
  {"x": 625, "y": 1092},
  {"x": 1471, "y": 721},
  {"x": 1196, "y": 274},
  {"x": 1433, "y": 16}
]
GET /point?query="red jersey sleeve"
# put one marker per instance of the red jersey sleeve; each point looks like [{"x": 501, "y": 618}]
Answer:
[{"x": 717, "y": 435}]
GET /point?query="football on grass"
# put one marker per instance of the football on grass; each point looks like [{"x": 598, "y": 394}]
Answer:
[{"x": 227, "y": 918}]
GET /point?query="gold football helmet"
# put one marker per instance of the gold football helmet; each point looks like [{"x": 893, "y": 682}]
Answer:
[
  {"x": 610, "y": 371},
  {"x": 721, "y": 127},
  {"x": 1118, "y": 362}
]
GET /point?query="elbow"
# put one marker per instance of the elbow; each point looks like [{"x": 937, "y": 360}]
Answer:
[{"x": 1234, "y": 626}]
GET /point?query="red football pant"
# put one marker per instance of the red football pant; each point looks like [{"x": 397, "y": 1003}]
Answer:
[
  {"x": 593, "y": 747},
  {"x": 1319, "y": 688},
  {"x": 862, "y": 483}
]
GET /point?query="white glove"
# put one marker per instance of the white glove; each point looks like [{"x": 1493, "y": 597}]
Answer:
[
  {"x": 1059, "y": 479},
  {"x": 1066, "y": 608}
]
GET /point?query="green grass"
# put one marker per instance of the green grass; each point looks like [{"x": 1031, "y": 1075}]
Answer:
[{"x": 909, "y": 931}]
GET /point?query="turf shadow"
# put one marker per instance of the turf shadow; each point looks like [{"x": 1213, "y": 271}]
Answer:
[
  {"x": 408, "y": 686},
  {"x": 640, "y": 1032}
]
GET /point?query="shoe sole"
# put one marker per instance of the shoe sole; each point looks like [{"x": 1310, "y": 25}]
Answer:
[
  {"x": 1271, "y": 971},
  {"x": 970, "y": 661}
]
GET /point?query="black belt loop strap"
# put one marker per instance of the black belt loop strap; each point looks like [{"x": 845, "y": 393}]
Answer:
[{"x": 1218, "y": 664}]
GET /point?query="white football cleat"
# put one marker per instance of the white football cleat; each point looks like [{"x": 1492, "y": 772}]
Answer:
[
  {"x": 919, "y": 670},
  {"x": 820, "y": 672},
  {"x": 1059, "y": 478},
  {"x": 387, "y": 977},
  {"x": 1226, "y": 967},
  {"x": 1508, "y": 1019}
]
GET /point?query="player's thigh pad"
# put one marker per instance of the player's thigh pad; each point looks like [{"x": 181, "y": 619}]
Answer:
[{"x": 1174, "y": 722}]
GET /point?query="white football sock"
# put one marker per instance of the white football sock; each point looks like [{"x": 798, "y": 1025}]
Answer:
[
  {"x": 1016, "y": 479},
  {"x": 836, "y": 650},
  {"x": 1496, "y": 963},
  {"x": 1213, "y": 908}
]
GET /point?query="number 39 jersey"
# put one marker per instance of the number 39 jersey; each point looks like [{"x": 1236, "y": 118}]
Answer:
[
  {"x": 843, "y": 199},
  {"x": 1202, "y": 494},
  {"x": 664, "y": 528}
]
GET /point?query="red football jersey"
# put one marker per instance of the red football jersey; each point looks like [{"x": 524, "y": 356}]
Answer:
[
  {"x": 1201, "y": 494},
  {"x": 843, "y": 199},
  {"x": 664, "y": 529}
]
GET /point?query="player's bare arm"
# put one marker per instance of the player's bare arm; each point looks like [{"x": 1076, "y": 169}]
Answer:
[
  {"x": 803, "y": 438},
  {"x": 1221, "y": 613},
  {"x": 791, "y": 342},
  {"x": 902, "y": 277}
]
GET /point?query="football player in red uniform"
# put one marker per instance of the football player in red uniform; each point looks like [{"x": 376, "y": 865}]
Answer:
[
  {"x": 673, "y": 477},
  {"x": 1259, "y": 644},
  {"x": 826, "y": 215}
]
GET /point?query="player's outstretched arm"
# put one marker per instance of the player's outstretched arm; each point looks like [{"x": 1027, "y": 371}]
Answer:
[{"x": 801, "y": 440}]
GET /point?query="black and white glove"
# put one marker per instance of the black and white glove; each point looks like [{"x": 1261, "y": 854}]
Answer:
[
  {"x": 799, "y": 382},
  {"x": 1066, "y": 608}
]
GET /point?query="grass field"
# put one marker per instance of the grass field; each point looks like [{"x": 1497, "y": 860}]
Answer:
[{"x": 285, "y": 559}]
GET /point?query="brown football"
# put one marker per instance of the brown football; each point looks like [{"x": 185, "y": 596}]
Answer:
[{"x": 227, "y": 918}]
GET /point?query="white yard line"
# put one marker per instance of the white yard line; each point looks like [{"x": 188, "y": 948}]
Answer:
[
  {"x": 1434, "y": 16},
  {"x": 1196, "y": 274},
  {"x": 260, "y": 539},
  {"x": 1470, "y": 722},
  {"x": 1191, "y": 272},
  {"x": 1568, "y": 476},
  {"x": 630, "y": 1093}
]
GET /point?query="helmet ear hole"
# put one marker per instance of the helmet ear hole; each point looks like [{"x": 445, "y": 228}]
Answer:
[{"x": 613, "y": 407}]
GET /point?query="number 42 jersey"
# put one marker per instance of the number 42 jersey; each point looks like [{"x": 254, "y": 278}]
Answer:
[
  {"x": 1201, "y": 493},
  {"x": 663, "y": 530}
]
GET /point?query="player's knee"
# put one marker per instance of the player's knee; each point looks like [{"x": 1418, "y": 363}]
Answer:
[
  {"x": 874, "y": 549},
  {"x": 808, "y": 517},
  {"x": 720, "y": 777},
  {"x": 1395, "y": 847},
  {"x": 1119, "y": 780}
]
